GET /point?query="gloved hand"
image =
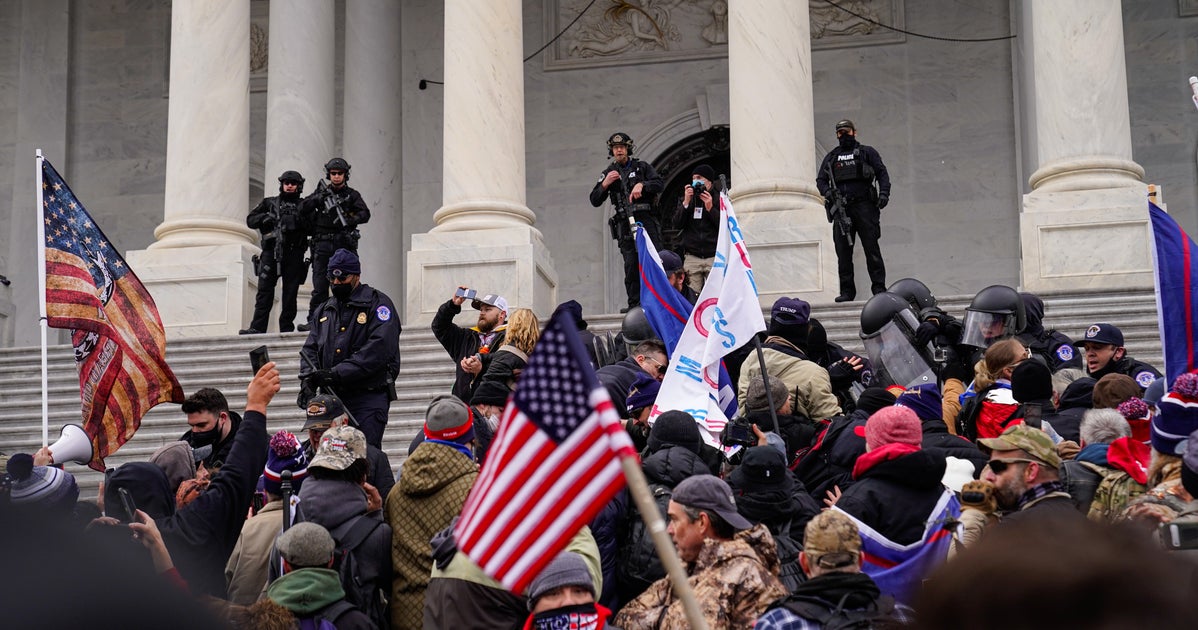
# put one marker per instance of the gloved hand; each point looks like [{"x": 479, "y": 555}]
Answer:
[
  {"x": 882, "y": 201},
  {"x": 828, "y": 204},
  {"x": 926, "y": 332},
  {"x": 958, "y": 369},
  {"x": 267, "y": 224},
  {"x": 305, "y": 394},
  {"x": 322, "y": 377},
  {"x": 979, "y": 495}
]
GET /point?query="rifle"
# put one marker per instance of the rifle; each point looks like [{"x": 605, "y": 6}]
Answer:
[
  {"x": 277, "y": 235},
  {"x": 624, "y": 213},
  {"x": 836, "y": 211},
  {"x": 332, "y": 202}
]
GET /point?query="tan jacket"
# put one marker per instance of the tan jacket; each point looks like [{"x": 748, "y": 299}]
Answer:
[
  {"x": 805, "y": 379},
  {"x": 734, "y": 582},
  {"x": 246, "y": 571}
]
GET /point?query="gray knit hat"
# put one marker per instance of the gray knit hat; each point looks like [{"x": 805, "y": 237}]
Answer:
[
  {"x": 567, "y": 569},
  {"x": 305, "y": 545},
  {"x": 756, "y": 400}
]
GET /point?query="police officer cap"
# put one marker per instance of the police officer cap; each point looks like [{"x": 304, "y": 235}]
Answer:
[
  {"x": 619, "y": 137},
  {"x": 1102, "y": 333},
  {"x": 291, "y": 176},
  {"x": 846, "y": 124},
  {"x": 344, "y": 263}
]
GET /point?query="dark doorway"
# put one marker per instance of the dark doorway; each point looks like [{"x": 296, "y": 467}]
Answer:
[{"x": 676, "y": 165}]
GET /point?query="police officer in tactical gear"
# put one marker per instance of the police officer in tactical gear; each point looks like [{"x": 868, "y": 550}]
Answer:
[
  {"x": 632, "y": 186},
  {"x": 284, "y": 243},
  {"x": 333, "y": 213},
  {"x": 1051, "y": 345},
  {"x": 856, "y": 173},
  {"x": 996, "y": 312},
  {"x": 1102, "y": 345},
  {"x": 352, "y": 350}
]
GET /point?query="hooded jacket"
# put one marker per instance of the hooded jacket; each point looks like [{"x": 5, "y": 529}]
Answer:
[
  {"x": 431, "y": 491},
  {"x": 1074, "y": 402},
  {"x": 808, "y": 381},
  {"x": 896, "y": 497},
  {"x": 939, "y": 442},
  {"x": 733, "y": 580},
  {"x": 306, "y": 592}
]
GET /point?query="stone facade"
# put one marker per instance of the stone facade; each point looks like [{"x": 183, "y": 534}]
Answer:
[{"x": 947, "y": 118}]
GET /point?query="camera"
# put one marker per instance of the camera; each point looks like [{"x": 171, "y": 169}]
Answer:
[
  {"x": 698, "y": 187},
  {"x": 738, "y": 432},
  {"x": 469, "y": 294}
]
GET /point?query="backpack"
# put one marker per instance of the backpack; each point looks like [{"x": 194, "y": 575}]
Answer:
[
  {"x": 790, "y": 572},
  {"x": 323, "y": 619},
  {"x": 358, "y": 575},
  {"x": 637, "y": 564},
  {"x": 817, "y": 610},
  {"x": 1114, "y": 492},
  {"x": 973, "y": 408}
]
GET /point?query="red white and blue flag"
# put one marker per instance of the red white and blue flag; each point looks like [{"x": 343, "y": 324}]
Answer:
[
  {"x": 1176, "y": 261},
  {"x": 726, "y": 317},
  {"x": 553, "y": 466},
  {"x": 120, "y": 345}
]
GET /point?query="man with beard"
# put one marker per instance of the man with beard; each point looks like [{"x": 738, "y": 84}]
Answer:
[
  {"x": 1024, "y": 469},
  {"x": 468, "y": 346},
  {"x": 353, "y": 348},
  {"x": 213, "y": 426}
]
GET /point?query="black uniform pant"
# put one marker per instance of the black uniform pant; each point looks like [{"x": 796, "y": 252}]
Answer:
[
  {"x": 294, "y": 271},
  {"x": 867, "y": 226},
  {"x": 632, "y": 269},
  {"x": 369, "y": 409},
  {"x": 322, "y": 251}
]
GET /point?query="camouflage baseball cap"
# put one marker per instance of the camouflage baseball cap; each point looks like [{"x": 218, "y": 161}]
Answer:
[
  {"x": 339, "y": 448},
  {"x": 832, "y": 540},
  {"x": 1030, "y": 440}
]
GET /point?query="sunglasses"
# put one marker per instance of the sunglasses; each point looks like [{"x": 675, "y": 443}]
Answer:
[
  {"x": 999, "y": 466},
  {"x": 661, "y": 369}
]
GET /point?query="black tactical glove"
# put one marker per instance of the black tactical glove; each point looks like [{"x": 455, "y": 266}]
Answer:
[
  {"x": 828, "y": 204},
  {"x": 958, "y": 369},
  {"x": 267, "y": 225},
  {"x": 322, "y": 377},
  {"x": 926, "y": 332},
  {"x": 306, "y": 393},
  {"x": 882, "y": 201}
]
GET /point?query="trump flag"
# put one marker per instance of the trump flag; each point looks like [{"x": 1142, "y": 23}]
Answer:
[
  {"x": 120, "y": 345},
  {"x": 1174, "y": 254}
]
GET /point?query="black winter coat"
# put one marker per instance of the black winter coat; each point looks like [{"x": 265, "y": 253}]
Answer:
[
  {"x": 830, "y": 463},
  {"x": 896, "y": 497},
  {"x": 358, "y": 339},
  {"x": 938, "y": 441},
  {"x": 618, "y": 379},
  {"x": 461, "y": 343}
]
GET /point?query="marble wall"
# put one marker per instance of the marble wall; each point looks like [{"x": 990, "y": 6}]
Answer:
[{"x": 942, "y": 114}]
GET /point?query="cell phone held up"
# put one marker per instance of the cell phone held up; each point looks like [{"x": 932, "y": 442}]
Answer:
[
  {"x": 129, "y": 506},
  {"x": 465, "y": 293},
  {"x": 1179, "y": 535},
  {"x": 258, "y": 358}
]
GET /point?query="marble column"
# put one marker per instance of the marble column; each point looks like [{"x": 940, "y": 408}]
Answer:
[
  {"x": 1086, "y": 191},
  {"x": 199, "y": 269},
  {"x": 300, "y": 105},
  {"x": 42, "y": 89},
  {"x": 484, "y": 235},
  {"x": 372, "y": 136},
  {"x": 773, "y": 150}
]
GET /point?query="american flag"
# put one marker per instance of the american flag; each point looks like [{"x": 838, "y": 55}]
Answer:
[
  {"x": 554, "y": 464},
  {"x": 120, "y": 345}
]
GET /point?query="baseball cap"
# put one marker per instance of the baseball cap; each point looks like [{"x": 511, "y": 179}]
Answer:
[
  {"x": 1102, "y": 333},
  {"x": 490, "y": 299},
  {"x": 832, "y": 540},
  {"x": 449, "y": 419},
  {"x": 708, "y": 492},
  {"x": 306, "y": 545},
  {"x": 793, "y": 311},
  {"x": 670, "y": 262},
  {"x": 322, "y": 411},
  {"x": 845, "y": 124},
  {"x": 1030, "y": 440},
  {"x": 339, "y": 448}
]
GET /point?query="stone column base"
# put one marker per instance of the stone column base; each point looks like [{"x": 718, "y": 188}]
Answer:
[
  {"x": 201, "y": 291},
  {"x": 512, "y": 262},
  {"x": 1087, "y": 239},
  {"x": 792, "y": 255}
]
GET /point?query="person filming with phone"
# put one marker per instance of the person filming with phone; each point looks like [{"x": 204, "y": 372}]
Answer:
[{"x": 469, "y": 347}]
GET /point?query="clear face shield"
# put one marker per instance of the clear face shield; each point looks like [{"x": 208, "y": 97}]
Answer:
[
  {"x": 982, "y": 329},
  {"x": 894, "y": 355}
]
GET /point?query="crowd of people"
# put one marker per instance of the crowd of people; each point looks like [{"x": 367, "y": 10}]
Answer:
[{"x": 851, "y": 490}]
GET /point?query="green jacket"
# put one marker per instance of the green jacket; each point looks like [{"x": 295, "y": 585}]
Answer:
[{"x": 305, "y": 591}]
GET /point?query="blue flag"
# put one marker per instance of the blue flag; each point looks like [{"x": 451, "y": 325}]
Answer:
[
  {"x": 665, "y": 307},
  {"x": 1173, "y": 252}
]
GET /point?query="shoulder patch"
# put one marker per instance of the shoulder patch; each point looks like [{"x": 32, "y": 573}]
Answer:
[
  {"x": 383, "y": 313},
  {"x": 1065, "y": 352},
  {"x": 1145, "y": 378}
]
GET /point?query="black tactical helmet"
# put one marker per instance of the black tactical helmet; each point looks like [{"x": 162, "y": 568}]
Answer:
[
  {"x": 917, "y": 294},
  {"x": 1001, "y": 300},
  {"x": 636, "y": 327},
  {"x": 337, "y": 164},
  {"x": 619, "y": 137},
  {"x": 294, "y": 177},
  {"x": 880, "y": 310}
]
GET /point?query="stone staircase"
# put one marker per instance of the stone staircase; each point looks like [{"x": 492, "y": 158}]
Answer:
[{"x": 223, "y": 362}]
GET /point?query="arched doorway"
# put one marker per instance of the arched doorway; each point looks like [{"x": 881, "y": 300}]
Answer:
[{"x": 676, "y": 164}]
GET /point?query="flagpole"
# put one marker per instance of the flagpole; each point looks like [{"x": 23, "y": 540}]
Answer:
[
  {"x": 41, "y": 301},
  {"x": 639, "y": 487},
  {"x": 765, "y": 379}
]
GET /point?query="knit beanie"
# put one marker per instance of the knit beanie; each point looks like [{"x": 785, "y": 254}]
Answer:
[
  {"x": 675, "y": 428},
  {"x": 874, "y": 398},
  {"x": 491, "y": 393},
  {"x": 1138, "y": 416},
  {"x": 924, "y": 400},
  {"x": 44, "y": 486},
  {"x": 1113, "y": 389},
  {"x": 1031, "y": 381},
  {"x": 755, "y": 400},
  {"x": 567, "y": 569},
  {"x": 643, "y": 392},
  {"x": 1178, "y": 417},
  {"x": 892, "y": 425},
  {"x": 1189, "y": 467},
  {"x": 285, "y": 454}
]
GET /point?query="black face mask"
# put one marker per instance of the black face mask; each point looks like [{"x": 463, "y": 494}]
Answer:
[
  {"x": 846, "y": 141},
  {"x": 577, "y": 616},
  {"x": 204, "y": 438},
  {"x": 342, "y": 291}
]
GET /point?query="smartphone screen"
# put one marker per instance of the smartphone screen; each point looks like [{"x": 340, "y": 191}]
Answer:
[{"x": 258, "y": 358}]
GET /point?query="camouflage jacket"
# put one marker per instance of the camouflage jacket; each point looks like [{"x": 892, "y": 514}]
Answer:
[
  {"x": 734, "y": 581},
  {"x": 1162, "y": 503}
]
